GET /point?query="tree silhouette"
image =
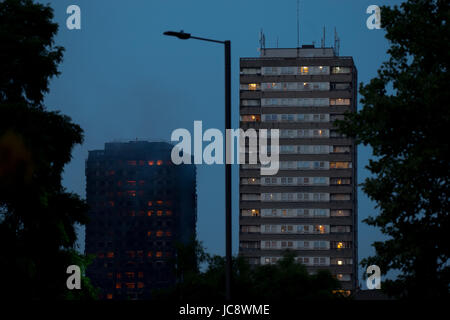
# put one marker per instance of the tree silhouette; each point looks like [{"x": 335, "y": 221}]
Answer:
[
  {"x": 37, "y": 215},
  {"x": 408, "y": 131}
]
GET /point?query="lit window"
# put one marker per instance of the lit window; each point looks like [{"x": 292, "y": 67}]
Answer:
[
  {"x": 130, "y": 275},
  {"x": 132, "y": 193},
  {"x": 149, "y": 213},
  {"x": 159, "y": 162},
  {"x": 140, "y": 285},
  {"x": 150, "y": 163},
  {"x": 149, "y": 233},
  {"x": 253, "y": 86},
  {"x": 110, "y": 255},
  {"x": 109, "y": 296},
  {"x": 118, "y": 285},
  {"x": 159, "y": 202},
  {"x": 340, "y": 245},
  {"x": 159, "y": 254},
  {"x": 304, "y": 70},
  {"x": 149, "y": 254},
  {"x": 159, "y": 233},
  {"x": 130, "y": 285},
  {"x": 168, "y": 233},
  {"x": 340, "y": 262},
  {"x": 159, "y": 213}
]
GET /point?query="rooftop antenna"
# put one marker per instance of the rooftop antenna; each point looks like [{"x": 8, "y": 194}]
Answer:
[
  {"x": 298, "y": 24},
  {"x": 323, "y": 38},
  {"x": 337, "y": 42},
  {"x": 262, "y": 40}
]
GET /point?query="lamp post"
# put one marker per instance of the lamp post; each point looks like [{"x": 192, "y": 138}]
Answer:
[{"x": 227, "y": 44}]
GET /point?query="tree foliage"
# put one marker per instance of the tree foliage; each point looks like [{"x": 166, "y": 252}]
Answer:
[
  {"x": 37, "y": 215},
  {"x": 284, "y": 281},
  {"x": 405, "y": 119}
]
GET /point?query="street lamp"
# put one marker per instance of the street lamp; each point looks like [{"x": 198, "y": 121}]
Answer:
[{"x": 184, "y": 36}]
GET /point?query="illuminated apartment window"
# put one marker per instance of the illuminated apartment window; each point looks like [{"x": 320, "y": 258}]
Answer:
[
  {"x": 118, "y": 285},
  {"x": 168, "y": 234},
  {"x": 131, "y": 193},
  {"x": 110, "y": 254},
  {"x": 254, "y": 86},
  {"x": 159, "y": 213},
  {"x": 340, "y": 213},
  {"x": 336, "y": 70},
  {"x": 159, "y": 233},
  {"x": 159, "y": 162},
  {"x": 150, "y": 203},
  {"x": 160, "y": 202},
  {"x": 140, "y": 285},
  {"x": 168, "y": 213},
  {"x": 149, "y": 254},
  {"x": 150, "y": 163},
  {"x": 130, "y": 275},
  {"x": 109, "y": 296},
  {"x": 320, "y": 229},
  {"x": 149, "y": 213},
  {"x": 304, "y": 70},
  {"x": 339, "y": 102},
  {"x": 149, "y": 233},
  {"x": 251, "y": 118},
  {"x": 159, "y": 254},
  {"x": 340, "y": 165}
]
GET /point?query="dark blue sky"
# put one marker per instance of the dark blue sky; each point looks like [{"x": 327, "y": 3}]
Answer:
[{"x": 121, "y": 79}]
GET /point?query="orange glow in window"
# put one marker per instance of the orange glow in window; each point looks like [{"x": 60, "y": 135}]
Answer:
[
  {"x": 150, "y": 203},
  {"x": 149, "y": 213},
  {"x": 159, "y": 233},
  {"x": 159, "y": 202},
  {"x": 340, "y": 245},
  {"x": 149, "y": 233},
  {"x": 168, "y": 233},
  {"x": 159, "y": 162},
  {"x": 118, "y": 285},
  {"x": 149, "y": 254},
  {"x": 109, "y": 296},
  {"x": 130, "y": 285},
  {"x": 140, "y": 285},
  {"x": 110, "y": 255},
  {"x": 159, "y": 254},
  {"x": 150, "y": 163},
  {"x": 132, "y": 193},
  {"x": 159, "y": 213}
]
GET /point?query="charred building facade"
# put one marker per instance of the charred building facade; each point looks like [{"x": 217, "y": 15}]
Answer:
[{"x": 141, "y": 204}]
